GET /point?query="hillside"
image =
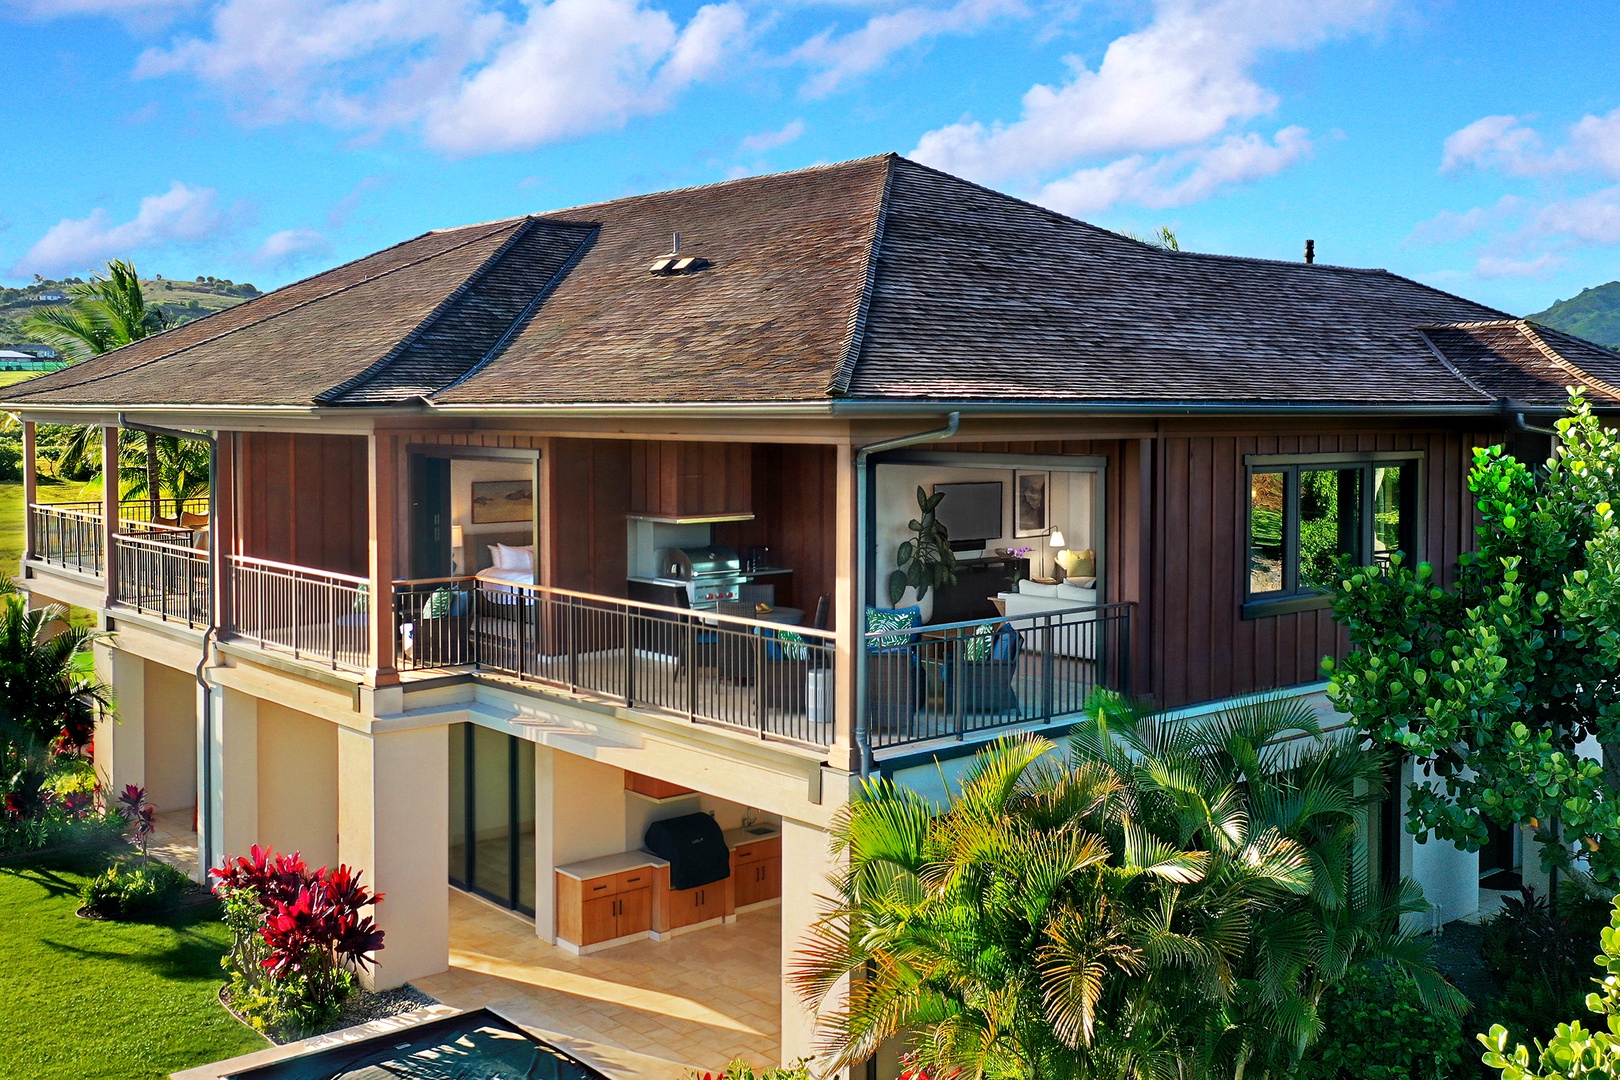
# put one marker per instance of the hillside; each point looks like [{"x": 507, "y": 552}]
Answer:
[
  {"x": 182, "y": 300},
  {"x": 1593, "y": 315}
]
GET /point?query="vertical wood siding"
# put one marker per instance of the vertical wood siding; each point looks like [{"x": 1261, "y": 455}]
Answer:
[
  {"x": 590, "y": 496},
  {"x": 795, "y": 504},
  {"x": 302, "y": 499}
]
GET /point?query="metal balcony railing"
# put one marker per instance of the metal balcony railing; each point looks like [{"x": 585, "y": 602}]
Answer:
[
  {"x": 67, "y": 535},
  {"x": 768, "y": 679},
  {"x": 308, "y": 614},
  {"x": 163, "y": 579}
]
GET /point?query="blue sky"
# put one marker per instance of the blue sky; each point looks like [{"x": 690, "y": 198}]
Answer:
[{"x": 1472, "y": 145}]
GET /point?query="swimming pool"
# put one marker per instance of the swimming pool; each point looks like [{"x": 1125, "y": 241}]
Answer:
[{"x": 477, "y": 1045}]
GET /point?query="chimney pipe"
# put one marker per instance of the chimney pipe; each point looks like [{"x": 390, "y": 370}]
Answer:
[
  {"x": 1310, "y": 252},
  {"x": 675, "y": 245}
]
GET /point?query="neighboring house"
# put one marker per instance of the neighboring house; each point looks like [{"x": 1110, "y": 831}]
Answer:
[
  {"x": 31, "y": 360},
  {"x": 52, "y": 296},
  {"x": 469, "y": 487}
]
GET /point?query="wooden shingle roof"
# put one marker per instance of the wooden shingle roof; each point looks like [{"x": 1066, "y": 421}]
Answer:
[{"x": 876, "y": 280}]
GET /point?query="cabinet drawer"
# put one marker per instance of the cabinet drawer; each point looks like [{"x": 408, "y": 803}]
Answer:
[
  {"x": 759, "y": 849},
  {"x": 594, "y": 888},
  {"x": 626, "y": 880}
]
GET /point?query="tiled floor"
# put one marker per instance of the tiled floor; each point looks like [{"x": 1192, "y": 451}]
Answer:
[
  {"x": 174, "y": 841},
  {"x": 649, "y": 1010}
]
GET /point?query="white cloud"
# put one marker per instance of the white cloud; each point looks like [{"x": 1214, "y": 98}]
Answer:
[
  {"x": 844, "y": 56},
  {"x": 1505, "y": 266},
  {"x": 183, "y": 214},
  {"x": 1593, "y": 218},
  {"x": 1493, "y": 142},
  {"x": 1176, "y": 179},
  {"x": 291, "y": 246},
  {"x": 472, "y": 75},
  {"x": 1449, "y": 225},
  {"x": 771, "y": 140},
  {"x": 137, "y": 10}
]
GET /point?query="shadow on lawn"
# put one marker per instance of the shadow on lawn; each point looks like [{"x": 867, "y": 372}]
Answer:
[{"x": 188, "y": 955}]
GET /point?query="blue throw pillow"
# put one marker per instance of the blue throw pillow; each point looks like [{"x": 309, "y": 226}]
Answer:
[{"x": 879, "y": 620}]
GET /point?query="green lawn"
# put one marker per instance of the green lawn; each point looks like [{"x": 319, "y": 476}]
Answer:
[
  {"x": 50, "y": 490},
  {"x": 86, "y": 999},
  {"x": 9, "y": 377}
]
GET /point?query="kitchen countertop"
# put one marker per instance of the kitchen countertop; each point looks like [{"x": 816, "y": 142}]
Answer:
[
  {"x": 613, "y": 864},
  {"x": 736, "y": 838}
]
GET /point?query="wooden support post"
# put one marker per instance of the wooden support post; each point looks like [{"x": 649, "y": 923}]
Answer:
[
  {"x": 848, "y": 614},
  {"x": 222, "y": 529},
  {"x": 382, "y": 474},
  {"x": 109, "y": 513},
  {"x": 30, "y": 486}
]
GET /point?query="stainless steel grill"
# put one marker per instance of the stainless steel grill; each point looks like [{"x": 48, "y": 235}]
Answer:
[{"x": 709, "y": 574}]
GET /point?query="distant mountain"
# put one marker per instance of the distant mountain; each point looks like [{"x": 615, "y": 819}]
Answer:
[
  {"x": 181, "y": 300},
  {"x": 1593, "y": 315}
]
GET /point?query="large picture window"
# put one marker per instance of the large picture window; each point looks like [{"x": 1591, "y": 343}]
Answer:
[{"x": 1306, "y": 512}]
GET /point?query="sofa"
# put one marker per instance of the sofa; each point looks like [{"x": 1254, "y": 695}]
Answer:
[{"x": 1069, "y": 636}]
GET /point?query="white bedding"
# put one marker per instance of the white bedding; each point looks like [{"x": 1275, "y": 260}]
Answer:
[{"x": 502, "y": 580}]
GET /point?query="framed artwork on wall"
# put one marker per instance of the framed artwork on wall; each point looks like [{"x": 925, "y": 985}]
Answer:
[
  {"x": 502, "y": 500},
  {"x": 1029, "y": 503}
]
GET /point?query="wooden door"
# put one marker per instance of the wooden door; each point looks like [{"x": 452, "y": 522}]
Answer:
[
  {"x": 598, "y": 920},
  {"x": 430, "y": 516},
  {"x": 747, "y": 884},
  {"x": 771, "y": 878},
  {"x": 635, "y": 912}
]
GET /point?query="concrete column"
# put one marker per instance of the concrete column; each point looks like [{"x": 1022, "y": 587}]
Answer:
[
  {"x": 382, "y": 475},
  {"x": 545, "y": 844},
  {"x": 807, "y": 860},
  {"x": 30, "y": 486},
  {"x": 1448, "y": 876},
  {"x": 392, "y": 825},
  {"x": 120, "y": 739},
  {"x": 234, "y": 801},
  {"x": 849, "y": 614}
]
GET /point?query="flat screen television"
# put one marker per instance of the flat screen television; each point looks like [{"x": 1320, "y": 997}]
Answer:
[{"x": 971, "y": 513}]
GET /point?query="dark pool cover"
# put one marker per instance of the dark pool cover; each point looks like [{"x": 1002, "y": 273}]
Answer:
[{"x": 477, "y": 1045}]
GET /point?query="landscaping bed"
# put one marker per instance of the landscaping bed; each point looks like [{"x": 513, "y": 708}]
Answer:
[{"x": 92, "y": 998}]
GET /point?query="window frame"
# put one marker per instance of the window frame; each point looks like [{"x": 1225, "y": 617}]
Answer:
[{"x": 1294, "y": 596}]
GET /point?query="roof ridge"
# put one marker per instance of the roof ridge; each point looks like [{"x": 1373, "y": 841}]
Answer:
[
  {"x": 268, "y": 318},
  {"x": 825, "y": 167},
  {"x": 855, "y": 330},
  {"x": 387, "y": 359},
  {"x": 528, "y": 311},
  {"x": 1445, "y": 362},
  {"x": 1564, "y": 362}
]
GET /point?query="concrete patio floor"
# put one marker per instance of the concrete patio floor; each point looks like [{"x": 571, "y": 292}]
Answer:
[
  {"x": 649, "y": 1010},
  {"x": 174, "y": 841}
]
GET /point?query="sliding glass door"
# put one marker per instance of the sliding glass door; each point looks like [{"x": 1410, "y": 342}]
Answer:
[{"x": 492, "y": 815}]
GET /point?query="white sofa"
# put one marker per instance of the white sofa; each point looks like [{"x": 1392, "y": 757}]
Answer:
[{"x": 1068, "y": 636}]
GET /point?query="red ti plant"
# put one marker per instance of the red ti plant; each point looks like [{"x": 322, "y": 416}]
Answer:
[
  {"x": 133, "y": 806},
  {"x": 300, "y": 933}
]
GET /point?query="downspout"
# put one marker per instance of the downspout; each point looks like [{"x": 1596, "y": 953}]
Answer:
[
  {"x": 863, "y": 738},
  {"x": 1514, "y": 412},
  {"x": 205, "y": 797}
]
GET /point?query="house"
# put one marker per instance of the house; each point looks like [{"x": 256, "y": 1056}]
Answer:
[
  {"x": 52, "y": 296},
  {"x": 529, "y": 535}
]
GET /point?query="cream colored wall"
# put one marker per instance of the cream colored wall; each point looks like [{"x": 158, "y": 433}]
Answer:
[
  {"x": 298, "y": 794},
  {"x": 464, "y": 472},
  {"x": 171, "y": 738},
  {"x": 807, "y": 860},
  {"x": 236, "y": 771},
  {"x": 121, "y": 733},
  {"x": 588, "y": 813}
]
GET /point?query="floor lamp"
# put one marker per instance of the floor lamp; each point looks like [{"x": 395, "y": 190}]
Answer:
[{"x": 1055, "y": 541}]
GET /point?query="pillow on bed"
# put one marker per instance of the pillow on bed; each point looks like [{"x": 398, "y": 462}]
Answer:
[{"x": 514, "y": 558}]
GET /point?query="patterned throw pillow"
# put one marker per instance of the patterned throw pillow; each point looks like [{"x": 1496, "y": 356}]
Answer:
[
  {"x": 792, "y": 645},
  {"x": 879, "y": 620},
  {"x": 979, "y": 645},
  {"x": 438, "y": 604}
]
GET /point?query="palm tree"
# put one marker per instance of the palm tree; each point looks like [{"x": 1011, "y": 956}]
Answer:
[
  {"x": 106, "y": 313},
  {"x": 1161, "y": 900}
]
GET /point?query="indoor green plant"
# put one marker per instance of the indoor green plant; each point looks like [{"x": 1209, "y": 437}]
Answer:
[{"x": 926, "y": 560}]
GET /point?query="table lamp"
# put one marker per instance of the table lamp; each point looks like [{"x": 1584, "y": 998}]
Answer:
[
  {"x": 455, "y": 549},
  {"x": 1056, "y": 542}
]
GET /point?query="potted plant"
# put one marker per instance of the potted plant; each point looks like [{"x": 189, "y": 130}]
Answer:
[{"x": 926, "y": 560}]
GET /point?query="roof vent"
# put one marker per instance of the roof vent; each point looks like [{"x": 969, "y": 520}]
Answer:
[
  {"x": 676, "y": 263},
  {"x": 1310, "y": 252}
]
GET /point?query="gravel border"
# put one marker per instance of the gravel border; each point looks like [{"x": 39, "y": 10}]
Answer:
[{"x": 362, "y": 1007}]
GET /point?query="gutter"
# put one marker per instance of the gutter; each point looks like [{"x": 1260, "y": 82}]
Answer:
[
  {"x": 1513, "y": 412},
  {"x": 863, "y": 737},
  {"x": 205, "y": 796}
]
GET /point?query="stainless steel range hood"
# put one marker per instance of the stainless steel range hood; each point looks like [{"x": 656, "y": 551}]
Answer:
[{"x": 697, "y": 519}]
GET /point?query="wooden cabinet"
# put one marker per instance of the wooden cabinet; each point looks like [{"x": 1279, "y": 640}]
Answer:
[
  {"x": 654, "y": 788},
  {"x": 675, "y": 908},
  {"x": 691, "y": 479},
  {"x": 756, "y": 872},
  {"x": 605, "y": 907}
]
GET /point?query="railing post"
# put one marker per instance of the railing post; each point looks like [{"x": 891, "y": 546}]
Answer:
[
  {"x": 109, "y": 512},
  {"x": 629, "y": 657},
  {"x": 758, "y": 678}
]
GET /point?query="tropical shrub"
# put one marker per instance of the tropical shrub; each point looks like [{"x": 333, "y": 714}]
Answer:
[
  {"x": 299, "y": 936},
  {"x": 1163, "y": 899},
  {"x": 1539, "y": 953},
  {"x": 1375, "y": 1026},
  {"x": 134, "y": 808},
  {"x": 134, "y": 889},
  {"x": 741, "y": 1070},
  {"x": 1572, "y": 1051}
]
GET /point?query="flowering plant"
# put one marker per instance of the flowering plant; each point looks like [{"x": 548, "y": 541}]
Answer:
[
  {"x": 300, "y": 935},
  {"x": 133, "y": 807}
]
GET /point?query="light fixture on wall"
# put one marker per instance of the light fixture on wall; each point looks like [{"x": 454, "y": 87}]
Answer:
[
  {"x": 1055, "y": 541},
  {"x": 455, "y": 549}
]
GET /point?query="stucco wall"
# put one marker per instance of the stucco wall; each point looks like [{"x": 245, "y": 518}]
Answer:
[
  {"x": 588, "y": 816},
  {"x": 298, "y": 798},
  {"x": 171, "y": 738}
]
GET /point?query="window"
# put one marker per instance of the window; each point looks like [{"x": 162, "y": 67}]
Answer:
[{"x": 1306, "y": 512}]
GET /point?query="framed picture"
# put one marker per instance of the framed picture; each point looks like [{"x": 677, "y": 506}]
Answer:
[
  {"x": 1029, "y": 503},
  {"x": 502, "y": 500}
]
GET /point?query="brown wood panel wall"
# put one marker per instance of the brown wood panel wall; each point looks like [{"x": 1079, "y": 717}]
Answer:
[
  {"x": 302, "y": 499},
  {"x": 795, "y": 503},
  {"x": 590, "y": 496},
  {"x": 689, "y": 479},
  {"x": 1202, "y": 649}
]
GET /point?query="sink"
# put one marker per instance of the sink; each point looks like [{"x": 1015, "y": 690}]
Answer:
[{"x": 760, "y": 830}]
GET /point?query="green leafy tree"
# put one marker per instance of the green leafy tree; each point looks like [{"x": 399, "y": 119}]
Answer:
[
  {"x": 107, "y": 313},
  {"x": 1162, "y": 900},
  {"x": 1492, "y": 685},
  {"x": 1573, "y": 1052}
]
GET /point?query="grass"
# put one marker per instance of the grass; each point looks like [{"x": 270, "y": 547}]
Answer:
[
  {"x": 7, "y": 378},
  {"x": 90, "y": 999},
  {"x": 48, "y": 490}
]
